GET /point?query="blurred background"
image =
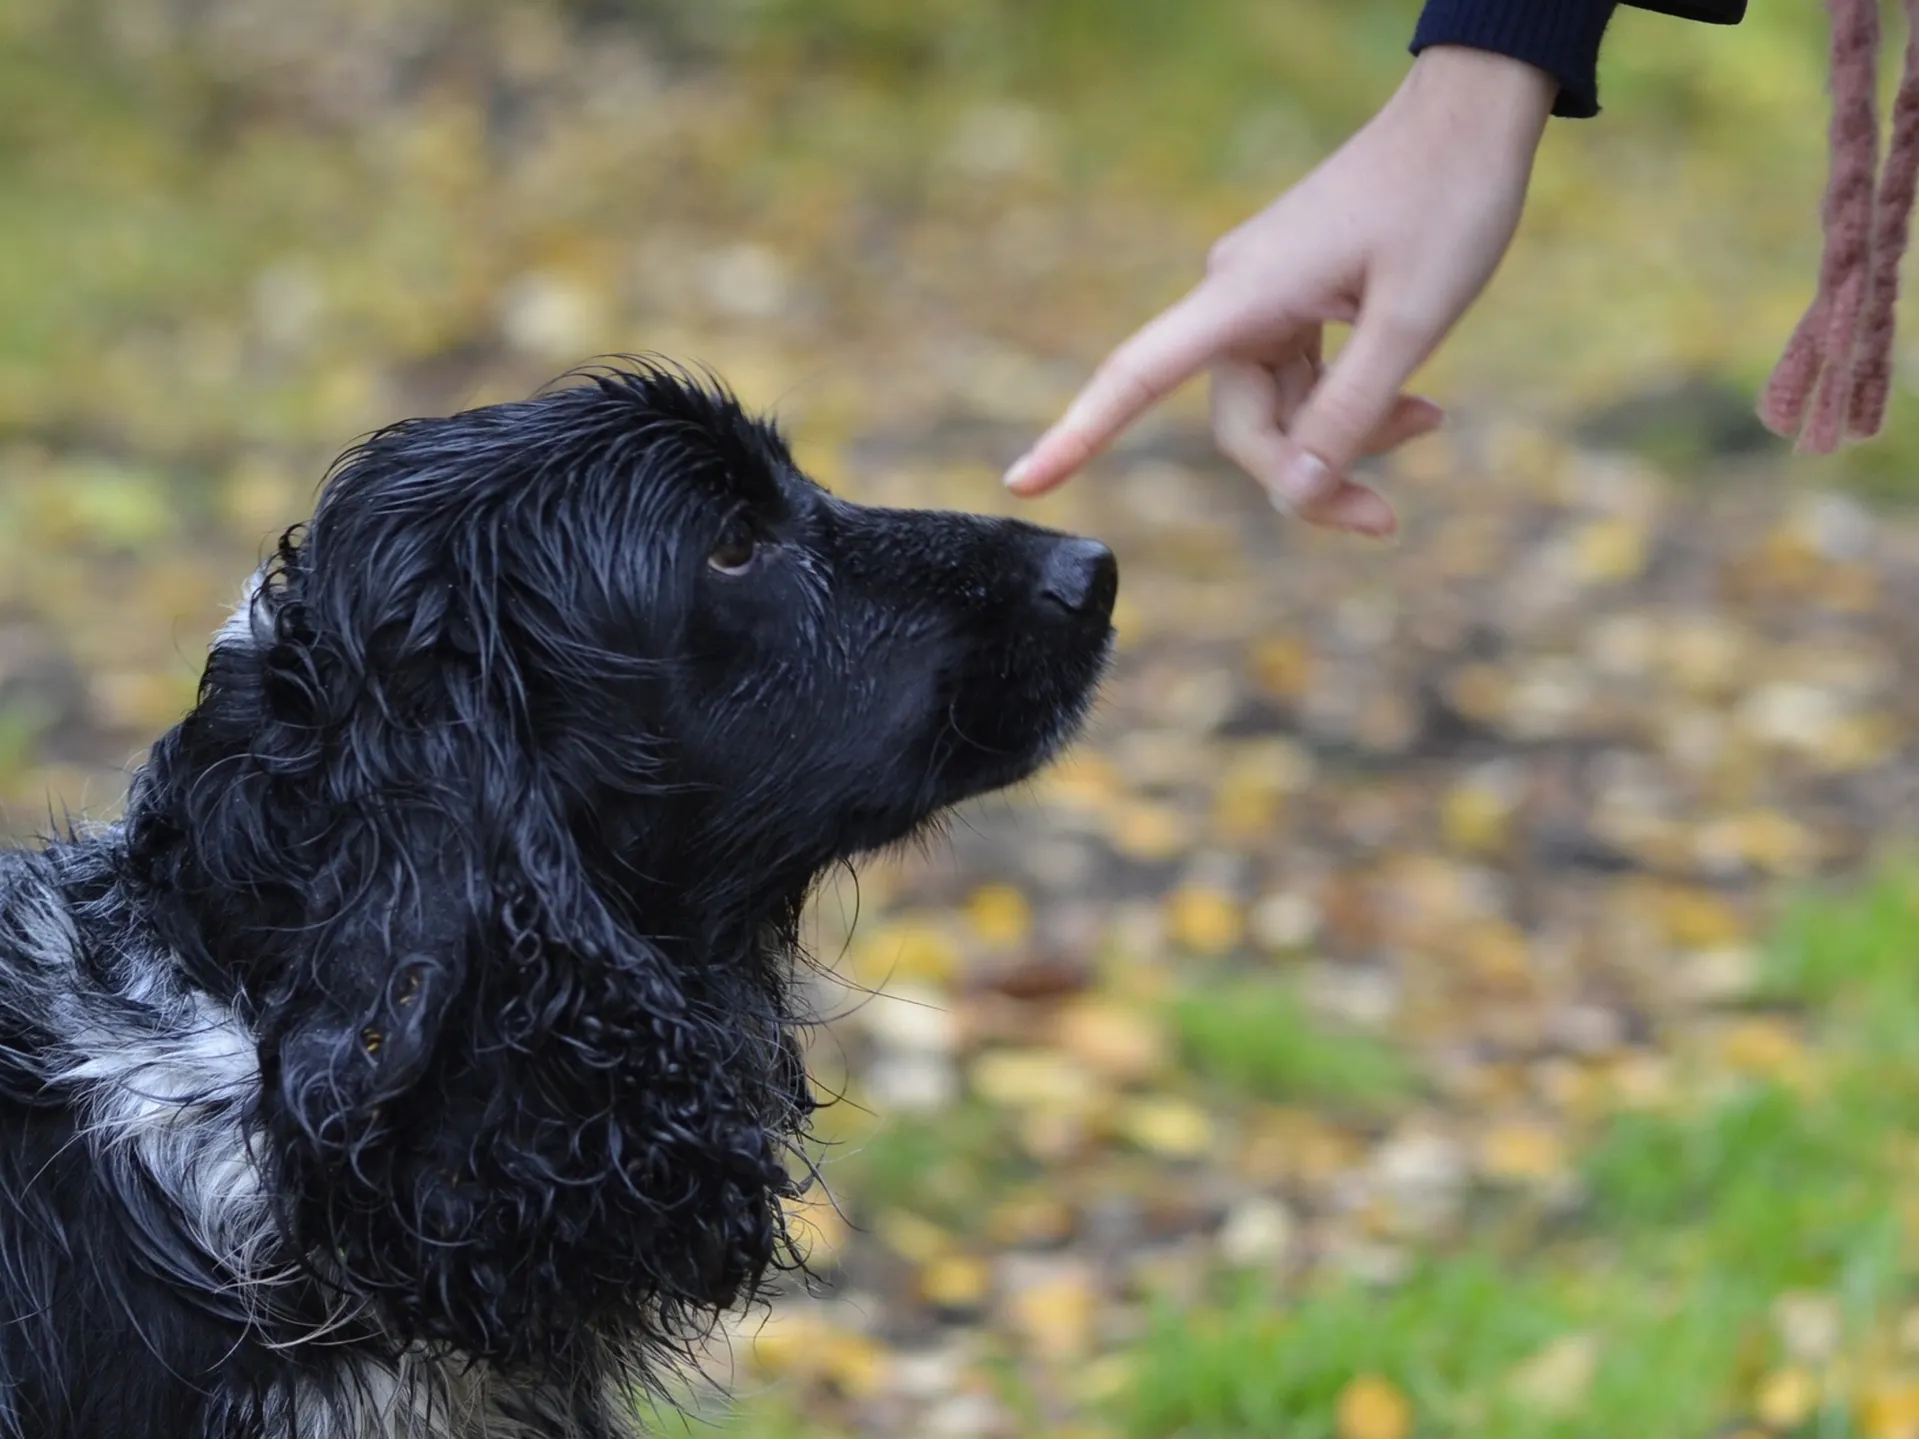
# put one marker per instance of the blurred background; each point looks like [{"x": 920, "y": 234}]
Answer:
[{"x": 1459, "y": 989}]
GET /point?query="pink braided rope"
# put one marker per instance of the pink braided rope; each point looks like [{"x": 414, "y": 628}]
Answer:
[
  {"x": 1892, "y": 230},
  {"x": 1817, "y": 367}
]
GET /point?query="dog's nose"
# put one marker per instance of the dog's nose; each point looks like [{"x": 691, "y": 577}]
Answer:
[{"x": 1081, "y": 576}]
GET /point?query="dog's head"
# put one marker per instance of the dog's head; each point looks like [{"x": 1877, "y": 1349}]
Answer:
[{"x": 498, "y": 808}]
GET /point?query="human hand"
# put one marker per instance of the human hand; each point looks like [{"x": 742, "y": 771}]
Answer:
[{"x": 1395, "y": 234}]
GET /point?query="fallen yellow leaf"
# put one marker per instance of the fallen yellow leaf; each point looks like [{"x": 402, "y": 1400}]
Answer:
[
  {"x": 1031, "y": 1218},
  {"x": 1054, "y": 1134},
  {"x": 1371, "y": 1408},
  {"x": 1610, "y": 550},
  {"x": 1479, "y": 691},
  {"x": 1112, "y": 1040},
  {"x": 1770, "y": 1048},
  {"x": 786, "y": 1344},
  {"x": 819, "y": 1229},
  {"x": 955, "y": 1281},
  {"x": 1707, "y": 655},
  {"x": 1762, "y": 838},
  {"x": 1696, "y": 919},
  {"x": 1282, "y": 667},
  {"x": 910, "y": 949},
  {"x": 1034, "y": 1078},
  {"x": 1083, "y": 780},
  {"x": 1786, "y": 1398},
  {"x": 1244, "y": 811},
  {"x": 1890, "y": 1410},
  {"x": 1055, "y": 1315},
  {"x": 1475, "y": 816},
  {"x": 1000, "y": 915},
  {"x": 920, "y": 1241},
  {"x": 1497, "y": 954},
  {"x": 855, "y": 1364},
  {"x": 1169, "y": 1127},
  {"x": 1149, "y": 832},
  {"x": 1859, "y": 742},
  {"x": 1521, "y": 1152},
  {"x": 1205, "y": 921}
]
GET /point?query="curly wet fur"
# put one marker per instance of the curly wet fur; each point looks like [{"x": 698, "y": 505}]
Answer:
[{"x": 418, "y": 1056}]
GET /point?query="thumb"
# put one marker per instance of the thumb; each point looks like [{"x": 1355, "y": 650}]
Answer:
[{"x": 1352, "y": 401}]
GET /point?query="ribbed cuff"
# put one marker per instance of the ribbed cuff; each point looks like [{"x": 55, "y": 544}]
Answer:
[
  {"x": 1561, "y": 37},
  {"x": 1707, "y": 12}
]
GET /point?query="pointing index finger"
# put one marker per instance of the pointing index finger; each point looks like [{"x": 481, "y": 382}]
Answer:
[{"x": 1167, "y": 352}]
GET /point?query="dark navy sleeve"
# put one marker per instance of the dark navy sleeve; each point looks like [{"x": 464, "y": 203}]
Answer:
[
  {"x": 1561, "y": 37},
  {"x": 1711, "y": 12}
]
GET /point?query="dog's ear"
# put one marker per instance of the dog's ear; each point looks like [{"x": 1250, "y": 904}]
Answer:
[
  {"x": 396, "y": 835},
  {"x": 382, "y": 779},
  {"x": 405, "y": 772},
  {"x": 358, "y": 806}
]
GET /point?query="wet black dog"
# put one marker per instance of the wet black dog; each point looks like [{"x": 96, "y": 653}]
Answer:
[{"x": 416, "y": 1059}]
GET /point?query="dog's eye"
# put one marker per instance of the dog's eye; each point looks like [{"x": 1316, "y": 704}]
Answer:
[{"x": 734, "y": 555}]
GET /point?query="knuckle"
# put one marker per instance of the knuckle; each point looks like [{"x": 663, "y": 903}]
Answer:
[
  {"x": 1240, "y": 441},
  {"x": 1406, "y": 325},
  {"x": 1338, "y": 424},
  {"x": 1231, "y": 441},
  {"x": 1225, "y": 254}
]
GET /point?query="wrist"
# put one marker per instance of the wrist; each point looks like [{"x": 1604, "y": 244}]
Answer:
[{"x": 1480, "y": 92}]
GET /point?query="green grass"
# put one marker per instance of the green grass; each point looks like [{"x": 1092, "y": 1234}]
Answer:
[
  {"x": 22, "y": 724},
  {"x": 1255, "y": 1036},
  {"x": 1455, "y": 1340},
  {"x": 1254, "y": 1373},
  {"x": 1679, "y": 1340},
  {"x": 1695, "y": 1223},
  {"x": 1852, "y": 958}
]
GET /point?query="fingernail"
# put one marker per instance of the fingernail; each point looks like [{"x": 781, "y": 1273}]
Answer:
[
  {"x": 1303, "y": 478},
  {"x": 1384, "y": 539},
  {"x": 1017, "y": 472},
  {"x": 1382, "y": 526}
]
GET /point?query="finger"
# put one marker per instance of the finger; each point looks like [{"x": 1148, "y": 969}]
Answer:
[
  {"x": 1352, "y": 403},
  {"x": 1294, "y": 381},
  {"x": 1247, "y": 399},
  {"x": 1410, "y": 416},
  {"x": 1357, "y": 510},
  {"x": 1136, "y": 376}
]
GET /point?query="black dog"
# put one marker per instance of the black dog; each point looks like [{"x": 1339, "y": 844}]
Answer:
[{"x": 416, "y": 1059}]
